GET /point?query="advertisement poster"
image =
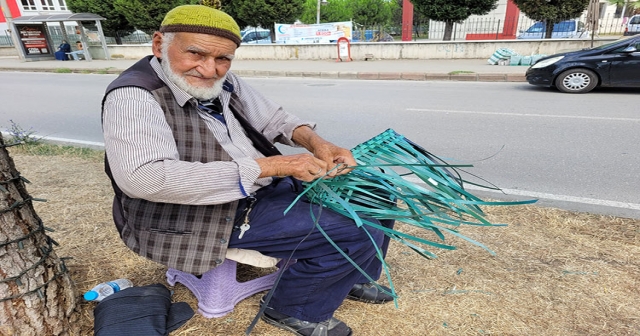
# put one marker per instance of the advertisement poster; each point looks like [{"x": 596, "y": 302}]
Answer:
[
  {"x": 312, "y": 33},
  {"x": 34, "y": 39}
]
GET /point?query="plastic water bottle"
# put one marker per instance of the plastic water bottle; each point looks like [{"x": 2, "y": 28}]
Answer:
[{"x": 105, "y": 289}]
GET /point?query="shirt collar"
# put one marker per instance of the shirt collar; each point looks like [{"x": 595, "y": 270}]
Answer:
[{"x": 182, "y": 97}]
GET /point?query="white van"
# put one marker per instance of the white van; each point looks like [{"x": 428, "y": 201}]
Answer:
[
  {"x": 564, "y": 29},
  {"x": 256, "y": 36},
  {"x": 633, "y": 26}
]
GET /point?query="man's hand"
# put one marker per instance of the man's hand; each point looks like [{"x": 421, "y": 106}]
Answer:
[
  {"x": 326, "y": 158},
  {"x": 304, "y": 167},
  {"x": 335, "y": 157}
]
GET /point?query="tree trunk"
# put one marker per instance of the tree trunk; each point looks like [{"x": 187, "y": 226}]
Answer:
[
  {"x": 448, "y": 30},
  {"x": 37, "y": 296},
  {"x": 548, "y": 29}
]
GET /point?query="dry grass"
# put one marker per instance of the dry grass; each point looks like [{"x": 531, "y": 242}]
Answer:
[{"x": 555, "y": 272}]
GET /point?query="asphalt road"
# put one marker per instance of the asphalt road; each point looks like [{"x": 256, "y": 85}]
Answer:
[{"x": 580, "y": 152}]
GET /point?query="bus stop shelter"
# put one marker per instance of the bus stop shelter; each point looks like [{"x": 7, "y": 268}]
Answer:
[{"x": 34, "y": 39}]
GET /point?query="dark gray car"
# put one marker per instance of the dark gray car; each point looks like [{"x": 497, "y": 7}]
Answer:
[{"x": 615, "y": 64}]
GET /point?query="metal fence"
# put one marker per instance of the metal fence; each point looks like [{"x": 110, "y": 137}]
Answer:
[
  {"x": 5, "y": 39},
  {"x": 510, "y": 27},
  {"x": 479, "y": 28},
  {"x": 126, "y": 37},
  {"x": 611, "y": 25},
  {"x": 471, "y": 29}
]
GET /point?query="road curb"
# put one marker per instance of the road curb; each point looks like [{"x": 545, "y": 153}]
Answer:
[
  {"x": 410, "y": 76},
  {"x": 365, "y": 75},
  {"x": 65, "y": 70}
]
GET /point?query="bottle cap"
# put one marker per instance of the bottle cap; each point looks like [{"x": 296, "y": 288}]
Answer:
[{"x": 90, "y": 295}]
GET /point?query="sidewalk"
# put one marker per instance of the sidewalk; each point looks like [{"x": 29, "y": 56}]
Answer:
[{"x": 461, "y": 70}]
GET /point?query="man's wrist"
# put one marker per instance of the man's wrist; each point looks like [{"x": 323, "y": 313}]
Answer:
[{"x": 305, "y": 136}]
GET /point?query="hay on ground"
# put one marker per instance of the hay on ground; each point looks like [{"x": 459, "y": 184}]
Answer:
[{"x": 555, "y": 272}]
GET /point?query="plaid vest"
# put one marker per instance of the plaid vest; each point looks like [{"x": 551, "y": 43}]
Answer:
[{"x": 190, "y": 238}]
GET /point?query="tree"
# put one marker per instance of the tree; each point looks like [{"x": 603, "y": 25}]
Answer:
[
  {"x": 265, "y": 13},
  {"x": 37, "y": 296},
  {"x": 624, "y": 7},
  {"x": 396, "y": 13},
  {"x": 418, "y": 19},
  {"x": 231, "y": 7},
  {"x": 147, "y": 15},
  {"x": 115, "y": 21},
  {"x": 553, "y": 11},
  {"x": 370, "y": 12},
  {"x": 217, "y": 4},
  {"x": 453, "y": 11},
  {"x": 332, "y": 11}
]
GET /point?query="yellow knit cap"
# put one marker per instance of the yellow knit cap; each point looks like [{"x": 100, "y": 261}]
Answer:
[{"x": 201, "y": 19}]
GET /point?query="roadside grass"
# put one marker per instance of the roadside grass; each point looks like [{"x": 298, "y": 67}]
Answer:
[
  {"x": 460, "y": 72},
  {"x": 104, "y": 71},
  {"x": 555, "y": 272},
  {"x": 46, "y": 149}
]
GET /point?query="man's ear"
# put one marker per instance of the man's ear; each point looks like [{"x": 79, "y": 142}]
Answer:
[{"x": 156, "y": 44}]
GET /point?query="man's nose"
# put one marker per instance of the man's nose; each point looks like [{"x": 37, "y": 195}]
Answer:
[{"x": 208, "y": 67}]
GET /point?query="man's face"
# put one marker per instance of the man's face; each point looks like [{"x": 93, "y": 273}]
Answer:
[{"x": 197, "y": 63}]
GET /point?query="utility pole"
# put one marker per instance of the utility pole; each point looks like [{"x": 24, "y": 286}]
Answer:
[
  {"x": 320, "y": 2},
  {"x": 9, "y": 19}
]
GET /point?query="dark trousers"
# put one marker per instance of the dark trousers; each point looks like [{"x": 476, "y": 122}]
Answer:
[
  {"x": 61, "y": 56},
  {"x": 315, "y": 286}
]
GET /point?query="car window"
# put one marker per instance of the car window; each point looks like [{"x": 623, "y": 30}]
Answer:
[
  {"x": 607, "y": 45},
  {"x": 560, "y": 27},
  {"x": 635, "y": 20},
  {"x": 256, "y": 35},
  {"x": 536, "y": 28},
  {"x": 619, "y": 50},
  {"x": 249, "y": 37},
  {"x": 564, "y": 26}
]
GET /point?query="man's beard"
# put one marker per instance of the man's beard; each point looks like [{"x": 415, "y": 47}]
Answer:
[{"x": 200, "y": 93}]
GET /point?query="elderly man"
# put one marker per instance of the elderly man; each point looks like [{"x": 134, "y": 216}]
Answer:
[{"x": 192, "y": 178}]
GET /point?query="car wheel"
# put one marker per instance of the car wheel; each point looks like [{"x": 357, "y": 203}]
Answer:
[{"x": 577, "y": 81}]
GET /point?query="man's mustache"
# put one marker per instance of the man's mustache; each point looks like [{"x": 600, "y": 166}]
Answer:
[{"x": 196, "y": 73}]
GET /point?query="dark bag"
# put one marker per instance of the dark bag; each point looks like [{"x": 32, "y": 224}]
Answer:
[
  {"x": 144, "y": 310},
  {"x": 260, "y": 142}
]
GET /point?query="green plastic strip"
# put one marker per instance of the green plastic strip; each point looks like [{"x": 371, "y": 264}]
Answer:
[{"x": 377, "y": 188}]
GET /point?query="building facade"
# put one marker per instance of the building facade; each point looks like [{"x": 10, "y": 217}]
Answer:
[{"x": 19, "y": 8}]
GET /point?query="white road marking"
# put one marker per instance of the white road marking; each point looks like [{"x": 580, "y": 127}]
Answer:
[
  {"x": 80, "y": 142},
  {"x": 62, "y": 140},
  {"x": 554, "y": 197},
  {"x": 523, "y": 114}
]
